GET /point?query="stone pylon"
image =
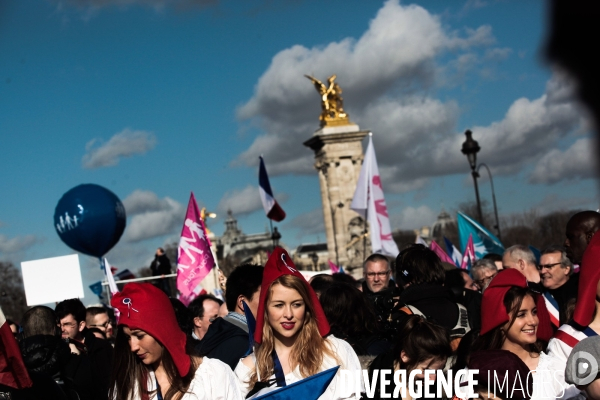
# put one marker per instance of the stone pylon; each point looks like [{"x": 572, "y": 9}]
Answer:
[{"x": 338, "y": 160}]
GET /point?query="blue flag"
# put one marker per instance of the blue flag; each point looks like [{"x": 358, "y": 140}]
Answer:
[
  {"x": 483, "y": 240},
  {"x": 96, "y": 288},
  {"x": 310, "y": 388},
  {"x": 251, "y": 328}
]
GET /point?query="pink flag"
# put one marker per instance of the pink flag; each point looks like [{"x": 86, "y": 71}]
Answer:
[
  {"x": 369, "y": 202},
  {"x": 334, "y": 268},
  {"x": 440, "y": 252},
  {"x": 194, "y": 256},
  {"x": 468, "y": 255}
]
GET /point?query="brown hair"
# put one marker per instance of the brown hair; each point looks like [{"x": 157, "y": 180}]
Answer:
[
  {"x": 421, "y": 340},
  {"x": 129, "y": 374},
  {"x": 309, "y": 348},
  {"x": 494, "y": 339}
]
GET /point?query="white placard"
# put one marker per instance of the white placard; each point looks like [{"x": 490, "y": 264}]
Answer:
[{"x": 52, "y": 279}]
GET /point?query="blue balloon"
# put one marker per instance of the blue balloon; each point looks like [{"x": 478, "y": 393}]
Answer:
[{"x": 90, "y": 219}]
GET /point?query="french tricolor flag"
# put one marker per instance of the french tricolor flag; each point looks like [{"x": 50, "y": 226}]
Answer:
[{"x": 272, "y": 208}]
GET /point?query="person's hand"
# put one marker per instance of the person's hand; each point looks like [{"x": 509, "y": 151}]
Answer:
[{"x": 74, "y": 348}]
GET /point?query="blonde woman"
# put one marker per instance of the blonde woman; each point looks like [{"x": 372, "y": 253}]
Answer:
[{"x": 291, "y": 341}]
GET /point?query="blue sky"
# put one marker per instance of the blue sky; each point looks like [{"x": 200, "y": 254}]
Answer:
[{"x": 153, "y": 99}]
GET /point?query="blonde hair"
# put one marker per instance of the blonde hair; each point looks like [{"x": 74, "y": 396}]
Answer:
[{"x": 309, "y": 348}]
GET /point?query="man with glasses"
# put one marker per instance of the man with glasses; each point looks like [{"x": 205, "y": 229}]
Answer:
[
  {"x": 556, "y": 271},
  {"x": 88, "y": 369},
  {"x": 97, "y": 317},
  {"x": 380, "y": 290},
  {"x": 204, "y": 311},
  {"x": 377, "y": 273},
  {"x": 483, "y": 271}
]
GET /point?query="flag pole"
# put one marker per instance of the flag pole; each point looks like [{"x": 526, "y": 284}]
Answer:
[
  {"x": 272, "y": 238},
  {"x": 365, "y": 230}
]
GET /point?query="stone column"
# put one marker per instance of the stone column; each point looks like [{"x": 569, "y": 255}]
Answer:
[{"x": 338, "y": 160}]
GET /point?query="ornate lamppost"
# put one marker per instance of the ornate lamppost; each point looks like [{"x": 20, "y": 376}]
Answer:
[{"x": 470, "y": 148}]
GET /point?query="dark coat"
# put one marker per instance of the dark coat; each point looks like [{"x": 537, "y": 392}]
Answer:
[
  {"x": 161, "y": 265},
  {"x": 564, "y": 295},
  {"x": 45, "y": 354},
  {"x": 435, "y": 302},
  {"x": 44, "y": 357},
  {"x": 88, "y": 373},
  {"x": 223, "y": 341}
]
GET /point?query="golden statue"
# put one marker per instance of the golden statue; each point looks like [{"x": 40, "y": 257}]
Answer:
[
  {"x": 332, "y": 103},
  {"x": 205, "y": 214}
]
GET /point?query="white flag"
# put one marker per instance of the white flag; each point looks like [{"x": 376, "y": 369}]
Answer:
[
  {"x": 369, "y": 202},
  {"x": 109, "y": 277},
  {"x": 420, "y": 240}
]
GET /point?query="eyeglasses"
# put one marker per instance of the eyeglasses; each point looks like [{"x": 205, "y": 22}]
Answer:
[
  {"x": 372, "y": 275},
  {"x": 547, "y": 266},
  {"x": 482, "y": 282},
  {"x": 68, "y": 325},
  {"x": 104, "y": 325}
]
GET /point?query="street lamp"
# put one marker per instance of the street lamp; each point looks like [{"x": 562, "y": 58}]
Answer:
[
  {"x": 493, "y": 197},
  {"x": 315, "y": 259},
  {"x": 470, "y": 148},
  {"x": 275, "y": 236}
]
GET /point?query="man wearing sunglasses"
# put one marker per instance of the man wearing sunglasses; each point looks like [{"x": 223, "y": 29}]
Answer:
[
  {"x": 556, "y": 271},
  {"x": 97, "y": 317}
]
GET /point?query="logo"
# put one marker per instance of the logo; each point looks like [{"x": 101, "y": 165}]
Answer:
[
  {"x": 584, "y": 368},
  {"x": 288, "y": 267}
]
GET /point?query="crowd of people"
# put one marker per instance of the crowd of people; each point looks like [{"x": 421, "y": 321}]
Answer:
[{"x": 518, "y": 323}]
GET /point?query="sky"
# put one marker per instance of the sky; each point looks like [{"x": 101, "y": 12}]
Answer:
[{"x": 154, "y": 99}]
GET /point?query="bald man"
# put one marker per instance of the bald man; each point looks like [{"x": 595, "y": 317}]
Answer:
[{"x": 580, "y": 229}]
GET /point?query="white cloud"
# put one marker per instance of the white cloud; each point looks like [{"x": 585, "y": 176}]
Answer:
[
  {"x": 387, "y": 76},
  {"x": 123, "y": 144},
  {"x": 16, "y": 244},
  {"x": 245, "y": 201},
  {"x": 577, "y": 162},
  {"x": 395, "y": 55},
  {"x": 309, "y": 223},
  {"x": 413, "y": 218},
  {"x": 141, "y": 201},
  {"x": 152, "y": 217}
]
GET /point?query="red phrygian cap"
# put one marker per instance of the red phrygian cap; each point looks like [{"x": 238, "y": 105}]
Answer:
[{"x": 280, "y": 263}]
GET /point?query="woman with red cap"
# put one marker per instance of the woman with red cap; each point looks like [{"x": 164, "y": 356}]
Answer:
[
  {"x": 291, "y": 341},
  {"x": 150, "y": 362},
  {"x": 509, "y": 322}
]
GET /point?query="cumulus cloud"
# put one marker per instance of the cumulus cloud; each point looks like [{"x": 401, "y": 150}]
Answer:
[
  {"x": 241, "y": 202},
  {"x": 577, "y": 162},
  {"x": 123, "y": 144},
  {"x": 553, "y": 202},
  {"x": 245, "y": 201},
  {"x": 395, "y": 55},
  {"x": 152, "y": 217},
  {"x": 141, "y": 201},
  {"x": 309, "y": 223},
  {"x": 387, "y": 76},
  {"x": 16, "y": 244},
  {"x": 413, "y": 218}
]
